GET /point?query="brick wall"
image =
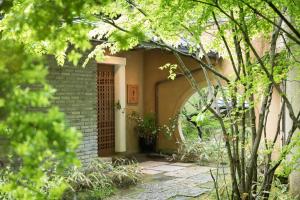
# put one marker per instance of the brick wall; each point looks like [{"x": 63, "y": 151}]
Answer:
[{"x": 76, "y": 96}]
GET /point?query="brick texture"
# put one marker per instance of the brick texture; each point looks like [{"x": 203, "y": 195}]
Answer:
[{"x": 76, "y": 96}]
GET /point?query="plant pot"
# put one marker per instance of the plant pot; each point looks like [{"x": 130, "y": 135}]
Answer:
[{"x": 147, "y": 144}]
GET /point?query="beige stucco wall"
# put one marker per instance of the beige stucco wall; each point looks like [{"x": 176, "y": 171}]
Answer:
[
  {"x": 168, "y": 93},
  {"x": 262, "y": 47},
  {"x": 171, "y": 94},
  {"x": 293, "y": 93},
  {"x": 142, "y": 68},
  {"x": 271, "y": 126}
]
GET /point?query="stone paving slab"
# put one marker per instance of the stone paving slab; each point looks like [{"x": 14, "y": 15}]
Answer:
[
  {"x": 150, "y": 171},
  {"x": 169, "y": 181},
  {"x": 192, "y": 192},
  {"x": 182, "y": 164},
  {"x": 167, "y": 168},
  {"x": 203, "y": 177},
  {"x": 150, "y": 164},
  {"x": 188, "y": 172}
]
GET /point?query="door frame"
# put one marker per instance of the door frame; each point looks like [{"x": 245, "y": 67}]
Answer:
[{"x": 119, "y": 64}]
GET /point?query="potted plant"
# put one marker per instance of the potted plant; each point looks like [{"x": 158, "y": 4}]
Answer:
[{"x": 146, "y": 130}]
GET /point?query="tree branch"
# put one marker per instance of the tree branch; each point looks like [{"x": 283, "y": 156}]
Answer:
[
  {"x": 271, "y": 22},
  {"x": 227, "y": 47},
  {"x": 283, "y": 18}
]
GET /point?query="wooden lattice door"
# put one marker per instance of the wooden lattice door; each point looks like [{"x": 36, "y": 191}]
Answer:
[{"x": 106, "y": 115}]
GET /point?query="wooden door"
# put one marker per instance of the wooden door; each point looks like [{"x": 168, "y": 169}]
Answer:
[{"x": 106, "y": 114}]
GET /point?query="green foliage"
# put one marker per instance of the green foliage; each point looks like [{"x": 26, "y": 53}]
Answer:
[
  {"x": 80, "y": 180},
  {"x": 208, "y": 124},
  {"x": 170, "y": 127},
  {"x": 38, "y": 142},
  {"x": 291, "y": 162},
  {"x": 53, "y": 187},
  {"x": 47, "y": 27},
  {"x": 210, "y": 151},
  {"x": 146, "y": 125},
  {"x": 280, "y": 191},
  {"x": 189, "y": 131},
  {"x": 99, "y": 179},
  {"x": 224, "y": 188},
  {"x": 95, "y": 194},
  {"x": 172, "y": 68},
  {"x": 125, "y": 173}
]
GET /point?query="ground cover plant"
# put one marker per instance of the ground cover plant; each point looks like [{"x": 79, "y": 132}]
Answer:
[
  {"x": 97, "y": 180},
  {"x": 209, "y": 152},
  {"x": 101, "y": 179}
]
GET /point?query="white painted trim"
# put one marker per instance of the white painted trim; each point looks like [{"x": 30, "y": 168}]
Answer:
[
  {"x": 120, "y": 96},
  {"x": 113, "y": 60},
  {"x": 120, "y": 114}
]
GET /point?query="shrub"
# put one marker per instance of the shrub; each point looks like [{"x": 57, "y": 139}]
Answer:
[
  {"x": 96, "y": 193},
  {"x": 189, "y": 151},
  {"x": 280, "y": 191},
  {"x": 99, "y": 179},
  {"x": 53, "y": 186},
  {"x": 145, "y": 125},
  {"x": 37, "y": 142},
  {"x": 202, "y": 152},
  {"x": 80, "y": 179},
  {"x": 125, "y": 173}
]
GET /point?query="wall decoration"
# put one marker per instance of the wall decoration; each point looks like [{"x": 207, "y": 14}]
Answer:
[{"x": 132, "y": 94}]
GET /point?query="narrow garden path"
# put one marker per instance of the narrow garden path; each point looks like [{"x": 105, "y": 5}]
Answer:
[{"x": 166, "y": 180}]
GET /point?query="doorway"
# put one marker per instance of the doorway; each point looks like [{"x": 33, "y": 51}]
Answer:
[{"x": 106, "y": 110}]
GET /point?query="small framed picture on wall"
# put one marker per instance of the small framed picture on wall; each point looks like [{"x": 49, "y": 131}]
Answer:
[{"x": 132, "y": 94}]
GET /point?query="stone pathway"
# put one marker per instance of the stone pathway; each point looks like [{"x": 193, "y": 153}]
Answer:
[{"x": 172, "y": 181}]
